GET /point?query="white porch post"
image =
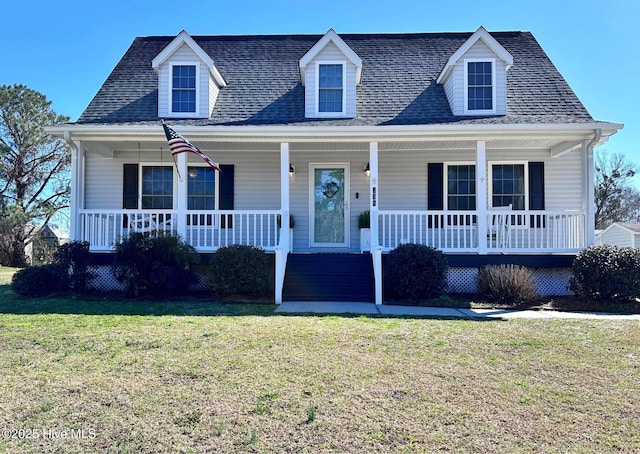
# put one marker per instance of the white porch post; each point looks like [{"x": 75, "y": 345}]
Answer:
[
  {"x": 282, "y": 249},
  {"x": 74, "y": 230},
  {"x": 284, "y": 191},
  {"x": 77, "y": 183},
  {"x": 373, "y": 192},
  {"x": 181, "y": 205},
  {"x": 589, "y": 197},
  {"x": 376, "y": 250},
  {"x": 481, "y": 195}
]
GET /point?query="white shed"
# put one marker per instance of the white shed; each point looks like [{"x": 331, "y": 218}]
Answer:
[{"x": 623, "y": 234}]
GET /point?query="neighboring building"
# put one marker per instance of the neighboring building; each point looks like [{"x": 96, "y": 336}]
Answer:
[
  {"x": 469, "y": 142},
  {"x": 42, "y": 241},
  {"x": 623, "y": 234}
]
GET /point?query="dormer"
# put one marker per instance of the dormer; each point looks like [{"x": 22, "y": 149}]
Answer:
[
  {"x": 330, "y": 72},
  {"x": 188, "y": 80},
  {"x": 475, "y": 76}
]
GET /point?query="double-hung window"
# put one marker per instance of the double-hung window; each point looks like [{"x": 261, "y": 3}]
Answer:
[
  {"x": 201, "y": 188},
  {"x": 201, "y": 195},
  {"x": 461, "y": 187},
  {"x": 480, "y": 86},
  {"x": 331, "y": 88},
  {"x": 157, "y": 187},
  {"x": 183, "y": 89},
  {"x": 509, "y": 186}
]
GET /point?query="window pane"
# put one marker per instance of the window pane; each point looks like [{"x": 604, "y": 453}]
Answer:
[
  {"x": 330, "y": 76},
  {"x": 508, "y": 186},
  {"x": 201, "y": 188},
  {"x": 157, "y": 187},
  {"x": 461, "y": 187},
  {"x": 183, "y": 95},
  {"x": 330, "y": 88},
  {"x": 479, "y": 86}
]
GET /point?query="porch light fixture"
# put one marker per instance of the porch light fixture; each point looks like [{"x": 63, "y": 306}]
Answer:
[
  {"x": 367, "y": 171},
  {"x": 292, "y": 171}
]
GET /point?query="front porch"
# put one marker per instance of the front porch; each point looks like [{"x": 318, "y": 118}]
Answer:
[
  {"x": 503, "y": 231},
  {"x": 522, "y": 193}
]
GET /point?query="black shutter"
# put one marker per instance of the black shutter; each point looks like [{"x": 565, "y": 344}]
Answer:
[
  {"x": 435, "y": 197},
  {"x": 130, "y": 187},
  {"x": 536, "y": 193},
  {"x": 129, "y": 190},
  {"x": 226, "y": 187},
  {"x": 536, "y": 185}
]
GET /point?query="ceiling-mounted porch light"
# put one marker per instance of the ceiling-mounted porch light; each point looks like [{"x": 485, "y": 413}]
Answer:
[{"x": 367, "y": 170}]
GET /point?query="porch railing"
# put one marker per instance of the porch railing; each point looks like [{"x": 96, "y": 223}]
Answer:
[
  {"x": 506, "y": 231},
  {"x": 204, "y": 230}
]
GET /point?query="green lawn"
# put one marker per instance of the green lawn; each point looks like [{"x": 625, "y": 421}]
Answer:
[{"x": 236, "y": 378}]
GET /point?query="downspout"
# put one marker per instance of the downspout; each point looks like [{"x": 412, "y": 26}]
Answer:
[
  {"x": 590, "y": 185},
  {"x": 597, "y": 135}
]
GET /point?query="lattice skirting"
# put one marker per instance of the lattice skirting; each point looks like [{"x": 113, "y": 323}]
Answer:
[
  {"x": 106, "y": 281},
  {"x": 550, "y": 281}
]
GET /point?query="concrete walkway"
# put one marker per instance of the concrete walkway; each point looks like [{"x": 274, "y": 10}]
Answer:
[{"x": 321, "y": 307}]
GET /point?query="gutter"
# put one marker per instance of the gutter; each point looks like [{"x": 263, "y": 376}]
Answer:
[
  {"x": 597, "y": 134},
  {"x": 357, "y": 133}
]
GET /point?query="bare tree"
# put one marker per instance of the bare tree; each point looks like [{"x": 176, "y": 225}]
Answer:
[
  {"x": 616, "y": 198},
  {"x": 34, "y": 166}
]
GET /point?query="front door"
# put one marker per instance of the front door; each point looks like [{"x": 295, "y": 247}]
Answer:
[{"x": 329, "y": 205}]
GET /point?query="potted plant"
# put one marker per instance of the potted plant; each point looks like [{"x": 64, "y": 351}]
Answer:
[
  {"x": 292, "y": 223},
  {"x": 364, "y": 225}
]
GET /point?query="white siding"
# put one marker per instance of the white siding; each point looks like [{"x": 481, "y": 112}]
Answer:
[
  {"x": 207, "y": 89},
  {"x": 256, "y": 174},
  {"x": 564, "y": 182},
  {"x": 403, "y": 176},
  {"x": 617, "y": 236},
  {"x": 329, "y": 53},
  {"x": 455, "y": 84}
]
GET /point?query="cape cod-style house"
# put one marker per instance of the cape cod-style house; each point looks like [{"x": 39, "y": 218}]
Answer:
[{"x": 472, "y": 143}]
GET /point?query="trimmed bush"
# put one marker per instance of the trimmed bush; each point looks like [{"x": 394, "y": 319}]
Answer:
[
  {"x": 415, "y": 272},
  {"x": 606, "y": 272},
  {"x": 243, "y": 270},
  {"x": 39, "y": 280},
  {"x": 74, "y": 257},
  {"x": 506, "y": 284},
  {"x": 159, "y": 265},
  {"x": 364, "y": 220}
]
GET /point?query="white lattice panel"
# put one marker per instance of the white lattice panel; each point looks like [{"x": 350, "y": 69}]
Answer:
[
  {"x": 549, "y": 281},
  {"x": 461, "y": 280}
]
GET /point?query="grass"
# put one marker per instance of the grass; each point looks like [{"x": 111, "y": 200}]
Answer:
[
  {"x": 199, "y": 376},
  {"x": 103, "y": 373}
]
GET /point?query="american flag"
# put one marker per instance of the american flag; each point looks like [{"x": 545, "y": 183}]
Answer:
[{"x": 178, "y": 144}]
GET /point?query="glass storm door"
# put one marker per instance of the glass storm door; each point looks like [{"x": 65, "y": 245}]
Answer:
[{"x": 329, "y": 205}]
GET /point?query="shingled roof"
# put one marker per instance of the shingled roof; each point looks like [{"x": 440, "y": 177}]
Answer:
[{"x": 398, "y": 82}]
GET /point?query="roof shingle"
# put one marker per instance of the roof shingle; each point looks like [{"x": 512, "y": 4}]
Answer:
[{"x": 398, "y": 84}]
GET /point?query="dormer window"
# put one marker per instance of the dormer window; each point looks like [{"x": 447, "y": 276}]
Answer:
[
  {"x": 475, "y": 76},
  {"x": 330, "y": 72},
  {"x": 480, "y": 86},
  {"x": 183, "y": 88},
  {"x": 331, "y": 89}
]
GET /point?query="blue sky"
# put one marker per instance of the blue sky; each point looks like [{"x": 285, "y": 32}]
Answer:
[{"x": 66, "y": 49}]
